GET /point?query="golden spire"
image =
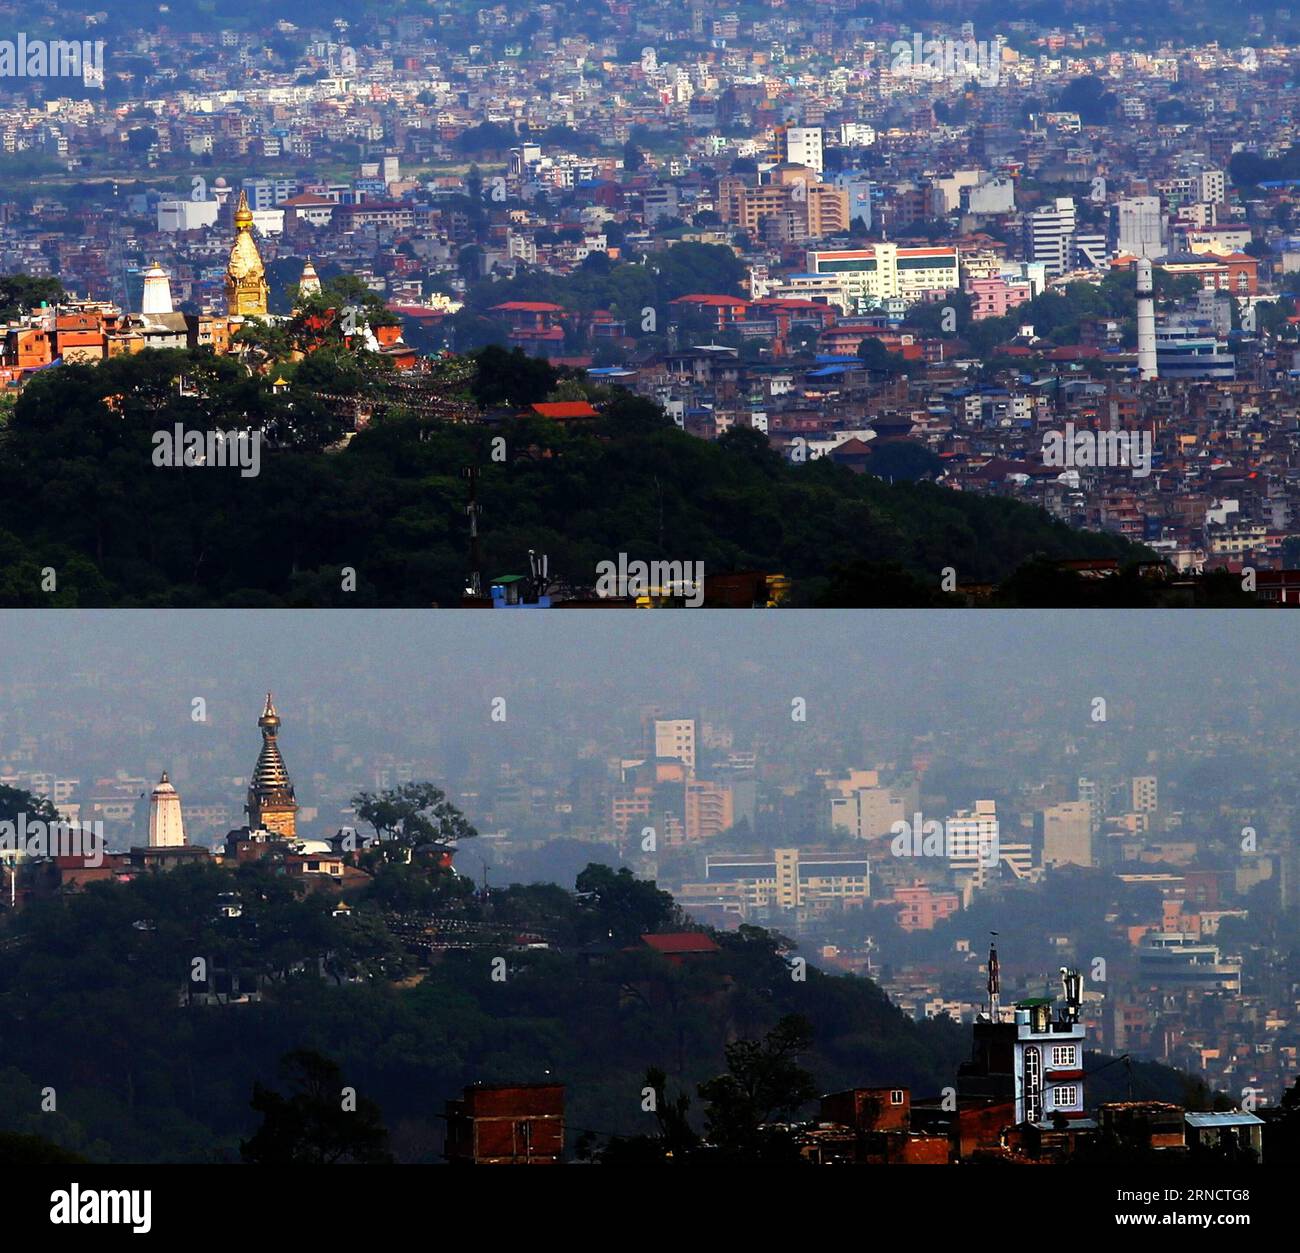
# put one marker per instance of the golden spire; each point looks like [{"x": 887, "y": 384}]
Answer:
[
  {"x": 243, "y": 214},
  {"x": 246, "y": 289},
  {"x": 271, "y": 801}
]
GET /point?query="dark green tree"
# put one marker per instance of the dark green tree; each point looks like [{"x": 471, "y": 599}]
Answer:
[{"x": 316, "y": 1125}]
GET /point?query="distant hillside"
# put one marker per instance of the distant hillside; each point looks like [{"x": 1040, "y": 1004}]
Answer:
[
  {"x": 169, "y": 1078},
  {"x": 80, "y": 495}
]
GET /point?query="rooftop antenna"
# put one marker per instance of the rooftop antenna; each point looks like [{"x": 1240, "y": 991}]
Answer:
[
  {"x": 995, "y": 982},
  {"x": 1072, "y": 986},
  {"x": 473, "y": 509},
  {"x": 539, "y": 571}
]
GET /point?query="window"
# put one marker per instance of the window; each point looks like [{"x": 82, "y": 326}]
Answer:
[
  {"x": 1063, "y": 1055},
  {"x": 896, "y": 1096},
  {"x": 1065, "y": 1096},
  {"x": 1033, "y": 1084}
]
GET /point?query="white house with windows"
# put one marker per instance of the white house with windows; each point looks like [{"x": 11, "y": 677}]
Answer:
[{"x": 1034, "y": 1060}]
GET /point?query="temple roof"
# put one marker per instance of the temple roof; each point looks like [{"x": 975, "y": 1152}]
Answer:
[{"x": 270, "y": 774}]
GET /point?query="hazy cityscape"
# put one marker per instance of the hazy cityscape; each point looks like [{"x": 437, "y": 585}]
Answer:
[
  {"x": 952, "y": 350},
  {"x": 1113, "y": 791}
]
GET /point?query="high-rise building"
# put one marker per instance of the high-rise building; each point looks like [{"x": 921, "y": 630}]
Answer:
[
  {"x": 271, "y": 802},
  {"x": 803, "y": 146},
  {"x": 1092, "y": 794},
  {"x": 166, "y": 824},
  {"x": 1049, "y": 233},
  {"x": 1144, "y": 793},
  {"x": 857, "y": 186},
  {"x": 1066, "y": 832},
  {"x": 885, "y": 270},
  {"x": 972, "y": 837},
  {"x": 1141, "y": 228},
  {"x": 1090, "y": 251},
  {"x": 791, "y": 207},
  {"x": 675, "y": 738},
  {"x": 709, "y": 810},
  {"x": 869, "y": 812}
]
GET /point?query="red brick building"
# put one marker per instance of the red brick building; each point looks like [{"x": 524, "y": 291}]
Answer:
[{"x": 517, "y": 1124}]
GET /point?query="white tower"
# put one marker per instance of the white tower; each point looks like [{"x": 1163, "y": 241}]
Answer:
[
  {"x": 1146, "y": 311},
  {"x": 309, "y": 283},
  {"x": 166, "y": 826},
  {"x": 157, "y": 291}
]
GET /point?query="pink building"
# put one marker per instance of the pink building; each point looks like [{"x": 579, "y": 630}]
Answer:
[
  {"x": 995, "y": 297},
  {"x": 920, "y": 906}
]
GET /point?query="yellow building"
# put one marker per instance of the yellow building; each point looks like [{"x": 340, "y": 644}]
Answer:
[
  {"x": 271, "y": 802},
  {"x": 246, "y": 291}
]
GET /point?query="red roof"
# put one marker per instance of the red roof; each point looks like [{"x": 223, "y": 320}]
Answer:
[
  {"x": 681, "y": 942},
  {"x": 528, "y": 306},
  {"x": 565, "y": 409},
  {"x": 705, "y": 299}
]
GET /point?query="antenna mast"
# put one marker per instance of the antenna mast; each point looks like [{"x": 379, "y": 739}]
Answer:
[
  {"x": 995, "y": 982},
  {"x": 473, "y": 509}
]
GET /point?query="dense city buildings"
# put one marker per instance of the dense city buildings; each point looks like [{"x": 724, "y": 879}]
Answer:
[
  {"x": 876, "y": 248},
  {"x": 968, "y": 340}
]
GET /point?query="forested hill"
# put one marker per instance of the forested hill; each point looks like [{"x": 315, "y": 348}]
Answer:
[
  {"x": 98, "y": 1003},
  {"x": 80, "y": 495}
]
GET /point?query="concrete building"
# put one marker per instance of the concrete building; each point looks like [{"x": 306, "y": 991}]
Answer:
[
  {"x": 1141, "y": 228},
  {"x": 887, "y": 271},
  {"x": 1144, "y": 793},
  {"x": 803, "y": 146},
  {"x": 675, "y": 738},
  {"x": 868, "y": 812},
  {"x": 186, "y": 215},
  {"x": 792, "y": 207},
  {"x": 709, "y": 809},
  {"x": 1066, "y": 834},
  {"x": 1049, "y": 234},
  {"x": 790, "y": 879}
]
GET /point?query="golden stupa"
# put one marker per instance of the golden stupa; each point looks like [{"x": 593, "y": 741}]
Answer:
[
  {"x": 246, "y": 292},
  {"x": 271, "y": 802}
]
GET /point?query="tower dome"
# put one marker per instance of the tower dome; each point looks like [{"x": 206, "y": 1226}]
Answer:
[
  {"x": 157, "y": 291},
  {"x": 166, "y": 823},
  {"x": 309, "y": 283}
]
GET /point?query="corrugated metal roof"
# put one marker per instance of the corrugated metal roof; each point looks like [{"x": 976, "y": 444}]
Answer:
[{"x": 1235, "y": 1118}]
